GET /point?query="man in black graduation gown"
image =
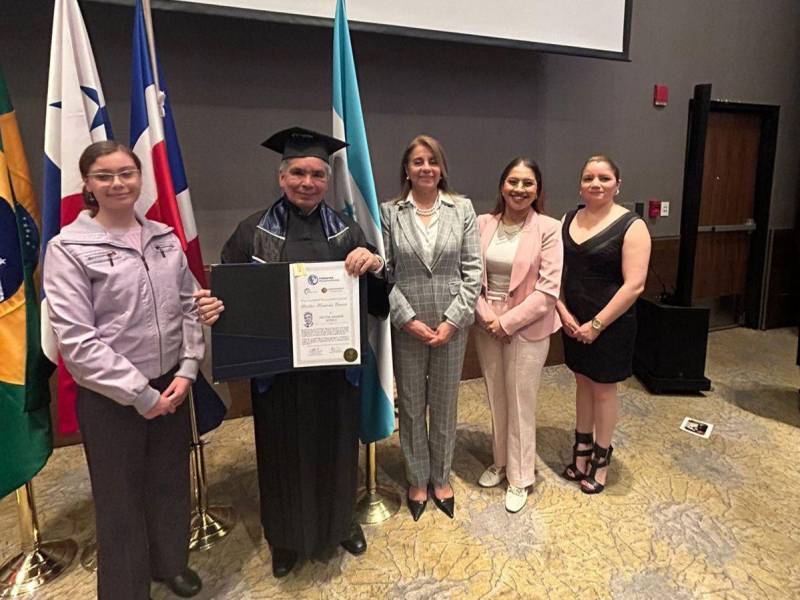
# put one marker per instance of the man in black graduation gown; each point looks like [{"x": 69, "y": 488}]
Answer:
[{"x": 306, "y": 422}]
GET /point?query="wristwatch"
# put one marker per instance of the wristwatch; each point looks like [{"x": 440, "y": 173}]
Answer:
[{"x": 597, "y": 324}]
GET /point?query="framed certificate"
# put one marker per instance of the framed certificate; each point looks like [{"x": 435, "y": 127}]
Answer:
[
  {"x": 326, "y": 319},
  {"x": 277, "y": 318}
]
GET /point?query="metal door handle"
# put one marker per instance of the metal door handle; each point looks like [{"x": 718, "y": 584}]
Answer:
[{"x": 749, "y": 225}]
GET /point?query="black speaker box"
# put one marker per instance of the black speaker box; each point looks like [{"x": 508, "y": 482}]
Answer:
[{"x": 670, "y": 354}]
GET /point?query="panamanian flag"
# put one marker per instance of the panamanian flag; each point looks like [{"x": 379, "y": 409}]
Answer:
[
  {"x": 165, "y": 190},
  {"x": 75, "y": 117},
  {"x": 355, "y": 193}
]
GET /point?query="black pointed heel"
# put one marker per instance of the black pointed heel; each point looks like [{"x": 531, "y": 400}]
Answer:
[
  {"x": 580, "y": 438},
  {"x": 416, "y": 507},
  {"x": 446, "y": 505}
]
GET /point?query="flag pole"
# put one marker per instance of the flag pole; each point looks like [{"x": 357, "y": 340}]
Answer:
[
  {"x": 38, "y": 563},
  {"x": 375, "y": 503},
  {"x": 151, "y": 45},
  {"x": 209, "y": 523}
]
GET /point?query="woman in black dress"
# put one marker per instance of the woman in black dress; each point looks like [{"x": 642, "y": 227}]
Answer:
[{"x": 606, "y": 253}]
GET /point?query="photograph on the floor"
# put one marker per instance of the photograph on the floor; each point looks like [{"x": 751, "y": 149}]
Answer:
[{"x": 696, "y": 427}]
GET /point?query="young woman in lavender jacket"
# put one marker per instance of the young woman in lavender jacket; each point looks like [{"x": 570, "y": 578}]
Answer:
[{"x": 119, "y": 297}]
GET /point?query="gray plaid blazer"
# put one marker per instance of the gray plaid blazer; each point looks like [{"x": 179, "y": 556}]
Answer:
[{"x": 446, "y": 289}]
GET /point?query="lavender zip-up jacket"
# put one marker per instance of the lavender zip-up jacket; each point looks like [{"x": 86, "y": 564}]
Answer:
[{"x": 122, "y": 317}]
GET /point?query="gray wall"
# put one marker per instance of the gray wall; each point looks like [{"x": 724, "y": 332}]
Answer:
[{"x": 234, "y": 81}]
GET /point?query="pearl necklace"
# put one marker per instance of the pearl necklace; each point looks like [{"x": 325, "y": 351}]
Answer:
[{"x": 427, "y": 212}]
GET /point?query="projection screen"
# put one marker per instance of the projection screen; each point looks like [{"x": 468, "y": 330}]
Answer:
[{"x": 598, "y": 28}]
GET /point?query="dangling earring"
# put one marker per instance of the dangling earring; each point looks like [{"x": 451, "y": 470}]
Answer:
[
  {"x": 92, "y": 199},
  {"x": 617, "y": 192}
]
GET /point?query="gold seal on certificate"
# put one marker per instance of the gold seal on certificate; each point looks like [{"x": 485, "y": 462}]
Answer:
[{"x": 326, "y": 322}]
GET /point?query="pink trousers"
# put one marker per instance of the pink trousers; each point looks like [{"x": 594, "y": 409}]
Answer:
[{"x": 512, "y": 373}]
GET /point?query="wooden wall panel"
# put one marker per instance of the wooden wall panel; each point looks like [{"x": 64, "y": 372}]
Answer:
[
  {"x": 663, "y": 270},
  {"x": 720, "y": 264}
]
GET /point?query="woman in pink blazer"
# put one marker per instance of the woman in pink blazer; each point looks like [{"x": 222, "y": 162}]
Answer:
[{"x": 522, "y": 258}]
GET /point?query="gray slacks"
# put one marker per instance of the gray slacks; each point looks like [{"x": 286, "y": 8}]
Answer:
[
  {"x": 139, "y": 470},
  {"x": 427, "y": 378}
]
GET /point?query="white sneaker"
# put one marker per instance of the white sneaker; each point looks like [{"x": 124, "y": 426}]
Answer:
[
  {"x": 492, "y": 476},
  {"x": 515, "y": 498}
]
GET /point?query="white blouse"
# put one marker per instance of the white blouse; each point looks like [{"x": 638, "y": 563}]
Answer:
[{"x": 427, "y": 233}]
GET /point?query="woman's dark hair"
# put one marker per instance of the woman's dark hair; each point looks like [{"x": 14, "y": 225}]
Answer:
[
  {"x": 602, "y": 158},
  {"x": 88, "y": 158},
  {"x": 436, "y": 149},
  {"x": 538, "y": 204}
]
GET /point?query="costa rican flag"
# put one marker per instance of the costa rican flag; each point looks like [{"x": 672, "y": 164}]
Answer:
[
  {"x": 355, "y": 193},
  {"x": 75, "y": 117},
  {"x": 165, "y": 191}
]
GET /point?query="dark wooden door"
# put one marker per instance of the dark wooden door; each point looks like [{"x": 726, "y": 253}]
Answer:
[{"x": 726, "y": 223}]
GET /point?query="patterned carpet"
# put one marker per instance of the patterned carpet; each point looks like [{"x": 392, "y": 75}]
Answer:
[{"x": 684, "y": 517}]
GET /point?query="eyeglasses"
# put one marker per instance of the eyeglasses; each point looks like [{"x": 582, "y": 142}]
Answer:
[{"x": 127, "y": 176}]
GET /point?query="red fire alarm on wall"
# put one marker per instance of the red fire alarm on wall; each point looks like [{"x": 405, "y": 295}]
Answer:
[
  {"x": 654, "y": 208},
  {"x": 660, "y": 95}
]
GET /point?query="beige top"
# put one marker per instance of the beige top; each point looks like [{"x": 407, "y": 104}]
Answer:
[{"x": 500, "y": 258}]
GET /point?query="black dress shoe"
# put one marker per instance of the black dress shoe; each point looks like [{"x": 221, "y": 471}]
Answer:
[
  {"x": 355, "y": 543},
  {"x": 446, "y": 505},
  {"x": 185, "y": 584},
  {"x": 283, "y": 561},
  {"x": 416, "y": 507}
]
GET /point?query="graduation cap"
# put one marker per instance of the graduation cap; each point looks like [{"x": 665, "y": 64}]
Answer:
[{"x": 297, "y": 142}]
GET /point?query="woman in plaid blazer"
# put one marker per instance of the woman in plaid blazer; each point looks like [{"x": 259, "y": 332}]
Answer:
[{"x": 433, "y": 261}]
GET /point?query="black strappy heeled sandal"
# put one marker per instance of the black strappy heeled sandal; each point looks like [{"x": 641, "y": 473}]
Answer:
[
  {"x": 580, "y": 438},
  {"x": 601, "y": 459}
]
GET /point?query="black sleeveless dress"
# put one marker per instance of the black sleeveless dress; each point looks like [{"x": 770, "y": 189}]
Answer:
[{"x": 592, "y": 275}]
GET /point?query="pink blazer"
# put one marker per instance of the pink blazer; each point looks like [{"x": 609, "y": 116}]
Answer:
[{"x": 535, "y": 275}]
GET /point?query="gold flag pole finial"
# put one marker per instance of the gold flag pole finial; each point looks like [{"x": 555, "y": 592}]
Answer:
[{"x": 38, "y": 563}]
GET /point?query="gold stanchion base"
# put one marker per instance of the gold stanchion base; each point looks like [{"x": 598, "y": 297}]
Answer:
[
  {"x": 29, "y": 570},
  {"x": 89, "y": 557},
  {"x": 210, "y": 526},
  {"x": 377, "y": 506}
]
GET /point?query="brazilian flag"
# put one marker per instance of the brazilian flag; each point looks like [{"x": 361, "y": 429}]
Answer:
[{"x": 26, "y": 440}]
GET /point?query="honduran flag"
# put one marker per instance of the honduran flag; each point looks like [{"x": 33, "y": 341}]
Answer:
[
  {"x": 76, "y": 117},
  {"x": 165, "y": 191},
  {"x": 355, "y": 193}
]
